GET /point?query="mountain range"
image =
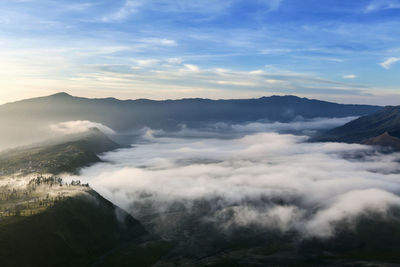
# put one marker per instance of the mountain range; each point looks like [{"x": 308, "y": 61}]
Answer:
[
  {"x": 28, "y": 121},
  {"x": 167, "y": 114}
]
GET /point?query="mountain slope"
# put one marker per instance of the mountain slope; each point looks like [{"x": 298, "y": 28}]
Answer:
[
  {"x": 60, "y": 155},
  {"x": 46, "y": 222},
  {"x": 378, "y": 129},
  {"x": 74, "y": 232},
  {"x": 384, "y": 140},
  {"x": 364, "y": 128}
]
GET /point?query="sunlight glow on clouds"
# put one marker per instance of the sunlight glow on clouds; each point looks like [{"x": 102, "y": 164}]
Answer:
[{"x": 172, "y": 49}]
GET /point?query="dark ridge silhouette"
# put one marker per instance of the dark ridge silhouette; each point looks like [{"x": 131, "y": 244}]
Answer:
[{"x": 132, "y": 114}]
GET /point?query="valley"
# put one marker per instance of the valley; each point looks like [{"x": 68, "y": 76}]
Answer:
[{"x": 231, "y": 209}]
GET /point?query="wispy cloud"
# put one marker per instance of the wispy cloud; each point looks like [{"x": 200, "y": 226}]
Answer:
[
  {"x": 192, "y": 67},
  {"x": 159, "y": 41},
  {"x": 79, "y": 7},
  {"x": 127, "y": 9},
  {"x": 389, "y": 62},
  {"x": 174, "y": 60},
  {"x": 273, "y": 4},
  {"x": 147, "y": 62},
  {"x": 378, "y": 5},
  {"x": 350, "y": 76}
]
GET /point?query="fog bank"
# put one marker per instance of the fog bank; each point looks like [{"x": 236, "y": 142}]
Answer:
[{"x": 261, "y": 178}]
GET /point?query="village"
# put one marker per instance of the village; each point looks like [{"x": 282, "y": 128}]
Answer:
[{"x": 38, "y": 194}]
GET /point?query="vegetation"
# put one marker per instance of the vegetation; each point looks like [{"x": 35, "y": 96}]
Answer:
[
  {"x": 66, "y": 156},
  {"x": 45, "y": 221},
  {"x": 74, "y": 231},
  {"x": 38, "y": 194}
]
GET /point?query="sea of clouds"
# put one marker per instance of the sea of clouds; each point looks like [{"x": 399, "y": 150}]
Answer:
[{"x": 260, "y": 177}]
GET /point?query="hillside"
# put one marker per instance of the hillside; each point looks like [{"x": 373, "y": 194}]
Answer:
[
  {"x": 24, "y": 120},
  {"x": 45, "y": 221},
  {"x": 384, "y": 140},
  {"x": 65, "y": 154},
  {"x": 75, "y": 230},
  {"x": 380, "y": 128}
]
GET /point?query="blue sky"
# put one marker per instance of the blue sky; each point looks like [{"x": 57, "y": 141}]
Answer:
[{"x": 337, "y": 50}]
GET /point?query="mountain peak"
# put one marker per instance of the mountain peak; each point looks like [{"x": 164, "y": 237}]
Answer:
[
  {"x": 61, "y": 95},
  {"x": 384, "y": 140}
]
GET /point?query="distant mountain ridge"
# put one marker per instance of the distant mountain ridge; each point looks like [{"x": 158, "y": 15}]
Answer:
[
  {"x": 28, "y": 121},
  {"x": 167, "y": 114}
]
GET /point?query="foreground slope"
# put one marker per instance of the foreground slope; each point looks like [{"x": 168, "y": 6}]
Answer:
[
  {"x": 74, "y": 232},
  {"x": 47, "y": 222},
  {"x": 380, "y": 128}
]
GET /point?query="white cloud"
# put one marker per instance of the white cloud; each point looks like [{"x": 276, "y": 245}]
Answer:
[
  {"x": 378, "y": 5},
  {"x": 350, "y": 205},
  {"x": 72, "y": 127},
  {"x": 237, "y": 83},
  {"x": 159, "y": 41},
  {"x": 192, "y": 67},
  {"x": 264, "y": 179},
  {"x": 389, "y": 62},
  {"x": 175, "y": 60},
  {"x": 147, "y": 62},
  {"x": 350, "y": 76}
]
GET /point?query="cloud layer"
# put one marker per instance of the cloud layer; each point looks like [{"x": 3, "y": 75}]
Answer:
[
  {"x": 265, "y": 179},
  {"x": 72, "y": 127}
]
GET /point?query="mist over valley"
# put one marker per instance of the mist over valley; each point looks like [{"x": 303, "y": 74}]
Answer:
[{"x": 187, "y": 133}]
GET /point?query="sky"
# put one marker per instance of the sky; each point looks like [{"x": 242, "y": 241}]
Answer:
[{"x": 336, "y": 50}]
